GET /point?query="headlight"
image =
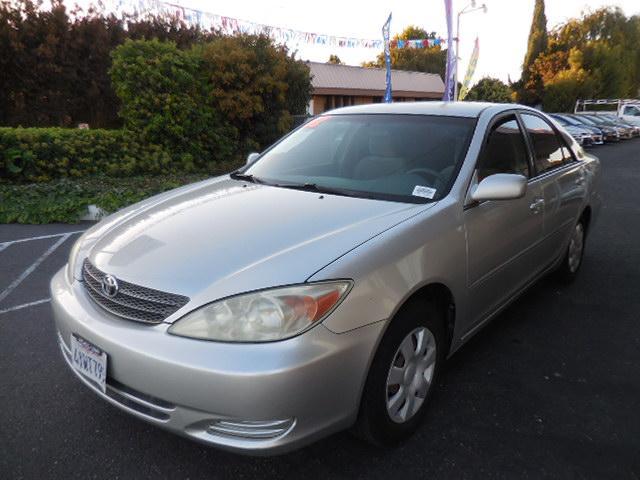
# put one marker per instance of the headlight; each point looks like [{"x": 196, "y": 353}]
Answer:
[{"x": 265, "y": 315}]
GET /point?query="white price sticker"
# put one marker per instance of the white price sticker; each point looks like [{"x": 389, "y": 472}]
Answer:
[{"x": 425, "y": 192}]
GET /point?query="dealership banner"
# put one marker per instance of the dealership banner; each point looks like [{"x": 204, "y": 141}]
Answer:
[
  {"x": 232, "y": 26},
  {"x": 471, "y": 69},
  {"x": 387, "y": 58},
  {"x": 450, "y": 75}
]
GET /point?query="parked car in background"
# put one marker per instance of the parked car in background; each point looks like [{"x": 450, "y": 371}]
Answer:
[
  {"x": 580, "y": 133},
  {"x": 609, "y": 133},
  {"x": 623, "y": 131},
  {"x": 597, "y": 133},
  {"x": 635, "y": 129},
  {"x": 323, "y": 285},
  {"x": 627, "y": 110}
]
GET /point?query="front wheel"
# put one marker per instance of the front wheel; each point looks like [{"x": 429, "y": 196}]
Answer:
[
  {"x": 572, "y": 260},
  {"x": 402, "y": 375}
]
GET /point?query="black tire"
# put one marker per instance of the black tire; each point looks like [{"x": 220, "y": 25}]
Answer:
[
  {"x": 568, "y": 269},
  {"x": 374, "y": 423}
]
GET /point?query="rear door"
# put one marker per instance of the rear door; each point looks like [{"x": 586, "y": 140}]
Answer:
[
  {"x": 559, "y": 176},
  {"x": 502, "y": 236}
]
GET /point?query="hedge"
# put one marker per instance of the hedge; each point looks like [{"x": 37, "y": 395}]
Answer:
[{"x": 43, "y": 154}]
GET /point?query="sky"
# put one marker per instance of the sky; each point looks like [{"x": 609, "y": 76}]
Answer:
[{"x": 502, "y": 31}]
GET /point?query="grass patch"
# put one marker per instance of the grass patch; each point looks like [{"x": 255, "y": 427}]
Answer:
[{"x": 66, "y": 200}]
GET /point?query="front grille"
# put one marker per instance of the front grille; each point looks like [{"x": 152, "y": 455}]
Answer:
[{"x": 131, "y": 302}]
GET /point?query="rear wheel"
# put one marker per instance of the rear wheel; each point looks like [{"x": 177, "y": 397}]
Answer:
[
  {"x": 402, "y": 375},
  {"x": 572, "y": 260}
]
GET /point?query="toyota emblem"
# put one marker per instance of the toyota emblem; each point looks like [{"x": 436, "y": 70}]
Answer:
[{"x": 109, "y": 285}]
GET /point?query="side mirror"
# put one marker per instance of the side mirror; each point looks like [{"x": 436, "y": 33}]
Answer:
[
  {"x": 252, "y": 157},
  {"x": 500, "y": 186}
]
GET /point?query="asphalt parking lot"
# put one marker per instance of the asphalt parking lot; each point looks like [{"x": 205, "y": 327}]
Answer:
[{"x": 550, "y": 389}]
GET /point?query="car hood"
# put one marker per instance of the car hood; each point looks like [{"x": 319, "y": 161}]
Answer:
[
  {"x": 222, "y": 237},
  {"x": 575, "y": 129}
]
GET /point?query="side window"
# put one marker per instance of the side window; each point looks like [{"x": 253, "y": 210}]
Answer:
[
  {"x": 633, "y": 111},
  {"x": 549, "y": 152},
  {"x": 505, "y": 150}
]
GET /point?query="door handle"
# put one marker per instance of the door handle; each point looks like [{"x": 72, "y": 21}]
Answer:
[
  {"x": 579, "y": 180},
  {"x": 536, "y": 205}
]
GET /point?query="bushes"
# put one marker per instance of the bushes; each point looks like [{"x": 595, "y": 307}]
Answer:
[
  {"x": 164, "y": 103},
  {"x": 230, "y": 95},
  {"x": 55, "y": 61},
  {"x": 184, "y": 111},
  {"x": 66, "y": 200},
  {"x": 42, "y": 154},
  {"x": 255, "y": 85}
]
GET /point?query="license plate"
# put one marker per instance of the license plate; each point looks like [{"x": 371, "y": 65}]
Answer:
[{"x": 89, "y": 360}]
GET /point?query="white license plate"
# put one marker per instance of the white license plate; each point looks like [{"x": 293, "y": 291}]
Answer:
[{"x": 89, "y": 360}]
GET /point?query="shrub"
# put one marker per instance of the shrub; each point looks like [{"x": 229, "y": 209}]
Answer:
[
  {"x": 255, "y": 85},
  {"x": 42, "y": 154},
  {"x": 163, "y": 103}
]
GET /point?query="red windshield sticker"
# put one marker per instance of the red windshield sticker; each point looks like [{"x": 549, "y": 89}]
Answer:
[{"x": 316, "y": 121}]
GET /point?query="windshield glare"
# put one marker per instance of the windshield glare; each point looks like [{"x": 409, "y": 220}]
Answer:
[{"x": 395, "y": 157}]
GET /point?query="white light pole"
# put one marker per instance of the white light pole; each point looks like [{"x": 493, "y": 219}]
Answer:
[{"x": 468, "y": 9}]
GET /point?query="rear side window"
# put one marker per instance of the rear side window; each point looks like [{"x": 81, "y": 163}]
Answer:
[
  {"x": 549, "y": 151},
  {"x": 505, "y": 150}
]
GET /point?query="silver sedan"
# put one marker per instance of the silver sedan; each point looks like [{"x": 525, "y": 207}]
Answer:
[{"x": 323, "y": 285}]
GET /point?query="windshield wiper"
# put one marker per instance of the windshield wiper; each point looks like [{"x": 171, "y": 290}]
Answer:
[
  {"x": 245, "y": 176},
  {"x": 314, "y": 187}
]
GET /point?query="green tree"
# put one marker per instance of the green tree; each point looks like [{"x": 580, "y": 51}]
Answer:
[
  {"x": 489, "y": 90},
  {"x": 596, "y": 56},
  {"x": 531, "y": 83},
  {"x": 335, "y": 60},
  {"x": 429, "y": 60}
]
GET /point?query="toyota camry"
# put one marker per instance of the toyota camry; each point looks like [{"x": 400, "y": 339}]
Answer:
[{"x": 321, "y": 286}]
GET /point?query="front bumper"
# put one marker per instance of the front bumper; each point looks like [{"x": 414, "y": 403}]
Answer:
[{"x": 262, "y": 398}]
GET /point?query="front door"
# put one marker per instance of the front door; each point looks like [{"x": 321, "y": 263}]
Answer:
[{"x": 503, "y": 237}]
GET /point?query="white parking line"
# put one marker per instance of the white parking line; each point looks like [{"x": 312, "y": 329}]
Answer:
[
  {"x": 33, "y": 266},
  {"x": 4, "y": 245},
  {"x": 25, "y": 305}
]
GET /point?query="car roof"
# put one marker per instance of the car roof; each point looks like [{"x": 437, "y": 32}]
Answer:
[{"x": 451, "y": 109}]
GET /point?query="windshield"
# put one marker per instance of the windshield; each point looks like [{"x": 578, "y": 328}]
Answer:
[
  {"x": 598, "y": 120},
  {"x": 394, "y": 157},
  {"x": 561, "y": 120},
  {"x": 586, "y": 120},
  {"x": 570, "y": 121}
]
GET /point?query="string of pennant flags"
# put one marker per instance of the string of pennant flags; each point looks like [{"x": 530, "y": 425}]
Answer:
[{"x": 231, "y": 26}]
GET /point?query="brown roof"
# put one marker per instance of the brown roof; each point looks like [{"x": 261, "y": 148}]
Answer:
[{"x": 331, "y": 79}]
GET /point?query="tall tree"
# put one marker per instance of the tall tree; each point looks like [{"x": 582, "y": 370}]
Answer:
[{"x": 531, "y": 84}]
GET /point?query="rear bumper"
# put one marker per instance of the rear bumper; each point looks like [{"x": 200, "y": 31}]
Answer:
[{"x": 253, "y": 398}]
